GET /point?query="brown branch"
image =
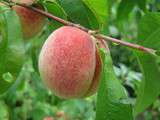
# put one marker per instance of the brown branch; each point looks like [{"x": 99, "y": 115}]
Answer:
[
  {"x": 124, "y": 43},
  {"x": 49, "y": 15},
  {"x": 94, "y": 33}
]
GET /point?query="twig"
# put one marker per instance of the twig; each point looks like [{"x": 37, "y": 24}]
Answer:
[
  {"x": 94, "y": 33},
  {"x": 51, "y": 16},
  {"x": 124, "y": 43}
]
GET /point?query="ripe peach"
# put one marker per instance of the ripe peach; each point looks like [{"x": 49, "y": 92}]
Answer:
[
  {"x": 32, "y": 22},
  {"x": 69, "y": 63}
]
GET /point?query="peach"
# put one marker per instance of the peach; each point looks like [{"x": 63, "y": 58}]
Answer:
[
  {"x": 32, "y": 22},
  {"x": 69, "y": 63}
]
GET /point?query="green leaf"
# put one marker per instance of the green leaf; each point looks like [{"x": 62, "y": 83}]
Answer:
[
  {"x": 79, "y": 13},
  {"x": 7, "y": 77},
  {"x": 158, "y": 52},
  {"x": 4, "y": 111},
  {"x": 112, "y": 103},
  {"x": 101, "y": 9},
  {"x": 55, "y": 9},
  {"x": 125, "y": 7},
  {"x": 141, "y": 4},
  {"x": 149, "y": 34},
  {"x": 11, "y": 49}
]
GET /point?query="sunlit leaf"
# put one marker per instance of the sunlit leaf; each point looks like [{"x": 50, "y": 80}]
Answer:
[{"x": 112, "y": 103}]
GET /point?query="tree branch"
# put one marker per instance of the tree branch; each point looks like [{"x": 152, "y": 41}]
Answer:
[{"x": 94, "y": 33}]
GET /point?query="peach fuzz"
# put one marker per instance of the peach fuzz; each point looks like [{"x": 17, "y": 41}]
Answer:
[{"x": 69, "y": 63}]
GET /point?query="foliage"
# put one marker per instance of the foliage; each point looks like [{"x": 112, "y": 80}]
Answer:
[{"x": 130, "y": 82}]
